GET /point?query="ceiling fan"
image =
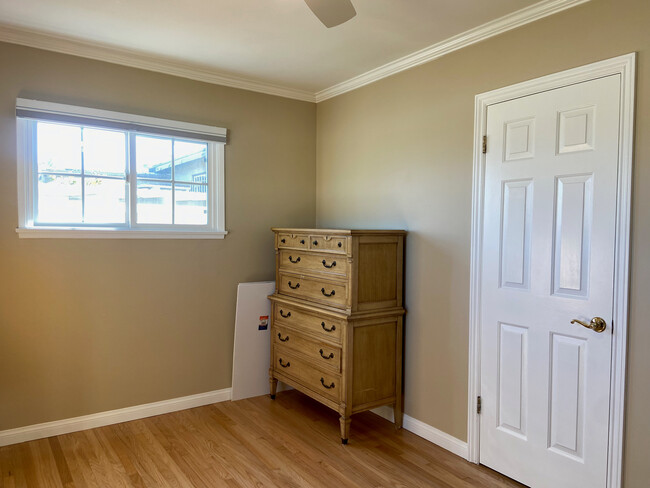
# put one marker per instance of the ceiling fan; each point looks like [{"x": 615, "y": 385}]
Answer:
[{"x": 332, "y": 12}]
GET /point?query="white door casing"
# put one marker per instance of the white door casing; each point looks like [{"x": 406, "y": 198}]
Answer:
[{"x": 550, "y": 241}]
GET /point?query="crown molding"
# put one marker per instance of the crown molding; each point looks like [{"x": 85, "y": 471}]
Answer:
[
  {"x": 136, "y": 59},
  {"x": 490, "y": 29}
]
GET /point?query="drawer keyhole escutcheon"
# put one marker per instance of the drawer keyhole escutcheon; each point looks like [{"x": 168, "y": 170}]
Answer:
[
  {"x": 294, "y": 287},
  {"x": 325, "y": 264},
  {"x": 331, "y": 355},
  {"x": 322, "y": 290},
  {"x": 296, "y": 261},
  {"x": 284, "y": 365},
  {"x": 322, "y": 382},
  {"x": 283, "y": 315},
  {"x": 322, "y": 324},
  {"x": 281, "y": 339}
]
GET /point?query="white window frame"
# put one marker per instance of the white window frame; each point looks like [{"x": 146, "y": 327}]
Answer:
[{"x": 132, "y": 125}]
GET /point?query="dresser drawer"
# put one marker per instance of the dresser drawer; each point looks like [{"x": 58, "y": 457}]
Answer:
[
  {"x": 318, "y": 326},
  {"x": 314, "y": 289},
  {"x": 338, "y": 244},
  {"x": 324, "y": 383},
  {"x": 336, "y": 266},
  {"x": 321, "y": 354},
  {"x": 294, "y": 241}
]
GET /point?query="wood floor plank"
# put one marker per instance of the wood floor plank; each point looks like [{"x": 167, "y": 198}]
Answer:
[
  {"x": 292, "y": 442},
  {"x": 61, "y": 463}
]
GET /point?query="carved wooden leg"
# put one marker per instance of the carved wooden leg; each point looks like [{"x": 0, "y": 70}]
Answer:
[
  {"x": 345, "y": 428},
  {"x": 274, "y": 385}
]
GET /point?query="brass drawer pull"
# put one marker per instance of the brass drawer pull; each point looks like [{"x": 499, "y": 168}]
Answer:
[
  {"x": 281, "y": 339},
  {"x": 283, "y": 315},
  {"x": 321, "y": 353},
  {"x": 322, "y": 324},
  {"x": 294, "y": 287},
  {"x": 315, "y": 243},
  {"x": 296, "y": 261},
  {"x": 302, "y": 241},
  {"x": 284, "y": 365},
  {"x": 283, "y": 241},
  {"x": 322, "y": 290},
  {"x": 322, "y": 382},
  {"x": 340, "y": 244},
  {"x": 325, "y": 264}
]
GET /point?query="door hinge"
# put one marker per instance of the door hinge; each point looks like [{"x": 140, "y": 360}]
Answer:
[
  {"x": 478, "y": 404},
  {"x": 484, "y": 144}
]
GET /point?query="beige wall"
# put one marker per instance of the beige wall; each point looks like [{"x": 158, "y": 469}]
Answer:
[
  {"x": 398, "y": 153},
  {"x": 92, "y": 325}
]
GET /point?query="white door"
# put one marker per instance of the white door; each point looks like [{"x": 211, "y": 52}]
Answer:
[{"x": 548, "y": 258}]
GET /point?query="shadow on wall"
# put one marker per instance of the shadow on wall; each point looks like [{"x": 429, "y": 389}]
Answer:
[{"x": 433, "y": 335}]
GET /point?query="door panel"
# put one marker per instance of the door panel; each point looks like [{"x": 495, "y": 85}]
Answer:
[
  {"x": 513, "y": 380},
  {"x": 515, "y": 236},
  {"x": 547, "y": 258}
]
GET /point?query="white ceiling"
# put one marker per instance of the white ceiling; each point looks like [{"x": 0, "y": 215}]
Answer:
[{"x": 274, "y": 42}]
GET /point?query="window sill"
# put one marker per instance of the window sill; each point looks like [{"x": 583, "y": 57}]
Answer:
[{"x": 78, "y": 233}]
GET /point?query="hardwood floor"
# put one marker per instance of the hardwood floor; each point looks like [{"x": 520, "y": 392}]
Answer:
[{"x": 290, "y": 442}]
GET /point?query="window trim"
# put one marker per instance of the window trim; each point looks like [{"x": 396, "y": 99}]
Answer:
[{"x": 28, "y": 111}]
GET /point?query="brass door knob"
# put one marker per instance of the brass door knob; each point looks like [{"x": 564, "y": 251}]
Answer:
[{"x": 597, "y": 324}]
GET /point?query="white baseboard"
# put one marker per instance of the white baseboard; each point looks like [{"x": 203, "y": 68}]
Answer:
[
  {"x": 58, "y": 427},
  {"x": 438, "y": 437}
]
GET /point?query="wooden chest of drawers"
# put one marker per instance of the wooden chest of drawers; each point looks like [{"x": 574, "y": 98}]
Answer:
[{"x": 336, "y": 324}]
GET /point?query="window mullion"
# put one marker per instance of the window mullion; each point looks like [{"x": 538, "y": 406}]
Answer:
[
  {"x": 83, "y": 179},
  {"x": 173, "y": 185},
  {"x": 33, "y": 176},
  {"x": 133, "y": 183}
]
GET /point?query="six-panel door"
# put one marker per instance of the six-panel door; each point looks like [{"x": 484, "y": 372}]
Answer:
[{"x": 547, "y": 254}]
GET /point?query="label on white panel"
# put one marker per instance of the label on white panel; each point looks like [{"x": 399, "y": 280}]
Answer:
[{"x": 264, "y": 322}]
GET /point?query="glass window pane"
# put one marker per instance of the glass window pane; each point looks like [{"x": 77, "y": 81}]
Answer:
[
  {"x": 154, "y": 202},
  {"x": 190, "y": 161},
  {"x": 59, "y": 199},
  {"x": 105, "y": 201},
  {"x": 104, "y": 152},
  {"x": 191, "y": 204},
  {"x": 59, "y": 147},
  {"x": 153, "y": 157}
]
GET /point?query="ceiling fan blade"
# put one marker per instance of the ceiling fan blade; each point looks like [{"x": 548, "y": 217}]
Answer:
[{"x": 332, "y": 12}]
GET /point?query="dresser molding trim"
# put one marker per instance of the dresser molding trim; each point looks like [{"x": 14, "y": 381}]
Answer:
[
  {"x": 336, "y": 312},
  {"x": 338, "y": 232}
]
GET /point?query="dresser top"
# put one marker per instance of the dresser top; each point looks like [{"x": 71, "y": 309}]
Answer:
[{"x": 345, "y": 232}]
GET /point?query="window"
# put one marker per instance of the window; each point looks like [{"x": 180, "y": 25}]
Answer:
[{"x": 93, "y": 173}]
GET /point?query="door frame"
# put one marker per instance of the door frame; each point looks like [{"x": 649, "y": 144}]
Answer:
[{"x": 625, "y": 66}]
